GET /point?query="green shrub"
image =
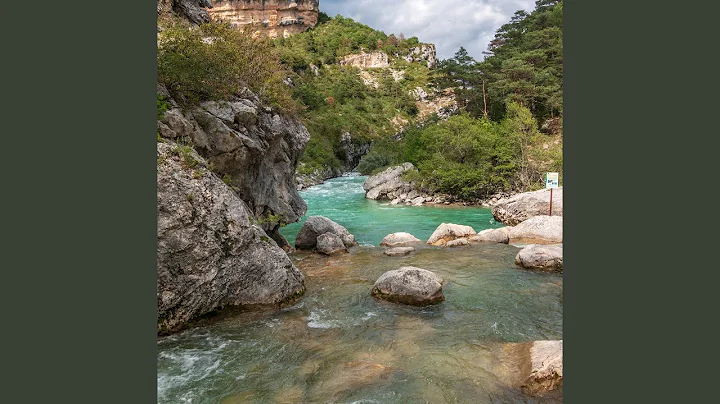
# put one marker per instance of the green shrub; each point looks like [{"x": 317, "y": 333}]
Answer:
[{"x": 214, "y": 61}]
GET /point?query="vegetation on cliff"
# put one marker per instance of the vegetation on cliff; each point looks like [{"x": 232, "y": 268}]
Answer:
[
  {"x": 214, "y": 61},
  {"x": 497, "y": 143},
  {"x": 338, "y": 100}
]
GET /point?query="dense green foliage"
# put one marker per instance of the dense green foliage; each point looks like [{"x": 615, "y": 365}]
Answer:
[
  {"x": 471, "y": 158},
  {"x": 333, "y": 38},
  {"x": 524, "y": 65},
  {"x": 336, "y": 97},
  {"x": 215, "y": 61},
  {"x": 495, "y": 144}
]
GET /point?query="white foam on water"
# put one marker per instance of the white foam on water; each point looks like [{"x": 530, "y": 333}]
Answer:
[{"x": 314, "y": 320}]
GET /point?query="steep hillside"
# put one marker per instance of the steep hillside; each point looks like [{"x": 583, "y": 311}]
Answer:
[{"x": 360, "y": 86}]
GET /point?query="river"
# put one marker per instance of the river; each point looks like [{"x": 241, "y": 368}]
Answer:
[{"x": 339, "y": 344}]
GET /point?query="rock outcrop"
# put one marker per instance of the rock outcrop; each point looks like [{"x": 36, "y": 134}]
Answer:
[
  {"x": 365, "y": 60},
  {"x": 493, "y": 235},
  {"x": 538, "y": 230},
  {"x": 388, "y": 183},
  {"x": 194, "y": 11},
  {"x": 457, "y": 242},
  {"x": 315, "y": 226},
  {"x": 354, "y": 150},
  {"x": 545, "y": 257},
  {"x": 448, "y": 232},
  {"x": 520, "y": 207},
  {"x": 409, "y": 285},
  {"x": 423, "y": 52},
  {"x": 253, "y": 148},
  {"x": 274, "y": 18},
  {"x": 209, "y": 252},
  {"x": 398, "y": 251},
  {"x": 399, "y": 239}
]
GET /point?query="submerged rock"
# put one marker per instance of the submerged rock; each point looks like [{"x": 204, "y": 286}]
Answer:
[
  {"x": 449, "y": 231},
  {"x": 538, "y": 230},
  {"x": 492, "y": 235},
  {"x": 546, "y": 367},
  {"x": 409, "y": 285},
  {"x": 521, "y": 207},
  {"x": 545, "y": 257},
  {"x": 457, "y": 242},
  {"x": 329, "y": 243},
  {"x": 315, "y": 226},
  {"x": 398, "y": 239},
  {"x": 398, "y": 251},
  {"x": 209, "y": 254}
]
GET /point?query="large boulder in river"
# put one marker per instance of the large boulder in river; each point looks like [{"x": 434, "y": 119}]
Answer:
[
  {"x": 538, "y": 230},
  {"x": 409, "y": 285},
  {"x": 449, "y": 231},
  {"x": 493, "y": 235},
  {"x": 315, "y": 226},
  {"x": 329, "y": 243},
  {"x": 521, "y": 207},
  {"x": 388, "y": 182},
  {"x": 398, "y": 251},
  {"x": 545, "y": 257},
  {"x": 398, "y": 239},
  {"x": 546, "y": 368},
  {"x": 209, "y": 252}
]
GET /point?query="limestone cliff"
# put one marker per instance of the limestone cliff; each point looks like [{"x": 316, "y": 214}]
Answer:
[
  {"x": 275, "y": 18},
  {"x": 210, "y": 252},
  {"x": 254, "y": 148}
]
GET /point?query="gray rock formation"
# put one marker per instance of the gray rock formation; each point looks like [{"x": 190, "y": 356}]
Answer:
[
  {"x": 409, "y": 285},
  {"x": 457, "y": 242},
  {"x": 388, "y": 183},
  {"x": 493, "y": 235},
  {"x": 399, "y": 239},
  {"x": 329, "y": 243},
  {"x": 194, "y": 10},
  {"x": 538, "y": 230},
  {"x": 520, "y": 207},
  {"x": 209, "y": 253},
  {"x": 315, "y": 226},
  {"x": 353, "y": 150},
  {"x": 546, "y": 368},
  {"x": 252, "y": 148},
  {"x": 545, "y": 257},
  {"x": 448, "y": 232},
  {"x": 398, "y": 251},
  {"x": 423, "y": 52}
]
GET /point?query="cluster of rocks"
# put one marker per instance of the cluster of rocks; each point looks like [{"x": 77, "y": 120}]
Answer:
[
  {"x": 517, "y": 208},
  {"x": 324, "y": 236},
  {"x": 390, "y": 185}
]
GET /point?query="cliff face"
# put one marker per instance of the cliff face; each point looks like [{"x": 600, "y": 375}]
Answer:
[
  {"x": 275, "y": 18},
  {"x": 254, "y": 148},
  {"x": 210, "y": 253}
]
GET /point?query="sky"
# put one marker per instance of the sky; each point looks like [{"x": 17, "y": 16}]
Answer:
[{"x": 449, "y": 24}]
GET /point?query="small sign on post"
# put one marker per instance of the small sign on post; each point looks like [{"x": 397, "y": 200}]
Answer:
[{"x": 552, "y": 180}]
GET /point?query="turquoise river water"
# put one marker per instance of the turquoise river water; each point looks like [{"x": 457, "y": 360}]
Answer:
[{"x": 338, "y": 344}]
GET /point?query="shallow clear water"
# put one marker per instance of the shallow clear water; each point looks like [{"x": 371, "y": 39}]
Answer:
[
  {"x": 343, "y": 200},
  {"x": 339, "y": 344}
]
